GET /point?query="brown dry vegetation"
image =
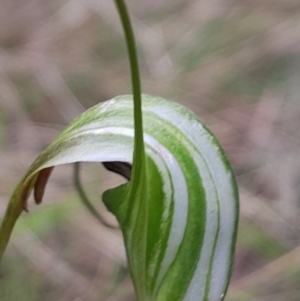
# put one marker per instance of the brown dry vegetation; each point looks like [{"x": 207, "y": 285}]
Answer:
[{"x": 235, "y": 63}]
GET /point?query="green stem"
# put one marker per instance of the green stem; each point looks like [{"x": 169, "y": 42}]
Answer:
[
  {"x": 12, "y": 213},
  {"x": 137, "y": 188},
  {"x": 85, "y": 200},
  {"x": 139, "y": 153}
]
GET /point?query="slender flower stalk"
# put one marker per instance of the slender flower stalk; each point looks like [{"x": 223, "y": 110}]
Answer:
[{"x": 139, "y": 152}]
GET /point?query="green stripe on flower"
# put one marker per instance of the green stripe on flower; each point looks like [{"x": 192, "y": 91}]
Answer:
[{"x": 179, "y": 218}]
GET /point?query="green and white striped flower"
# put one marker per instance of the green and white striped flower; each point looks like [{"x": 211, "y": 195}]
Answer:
[{"x": 179, "y": 213}]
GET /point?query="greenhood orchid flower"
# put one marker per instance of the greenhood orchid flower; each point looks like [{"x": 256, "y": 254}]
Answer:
[
  {"x": 178, "y": 212},
  {"x": 179, "y": 219}
]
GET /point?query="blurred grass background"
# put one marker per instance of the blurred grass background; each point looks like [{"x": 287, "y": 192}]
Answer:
[{"x": 234, "y": 63}]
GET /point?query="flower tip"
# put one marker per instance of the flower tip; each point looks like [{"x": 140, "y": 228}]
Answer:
[{"x": 40, "y": 184}]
